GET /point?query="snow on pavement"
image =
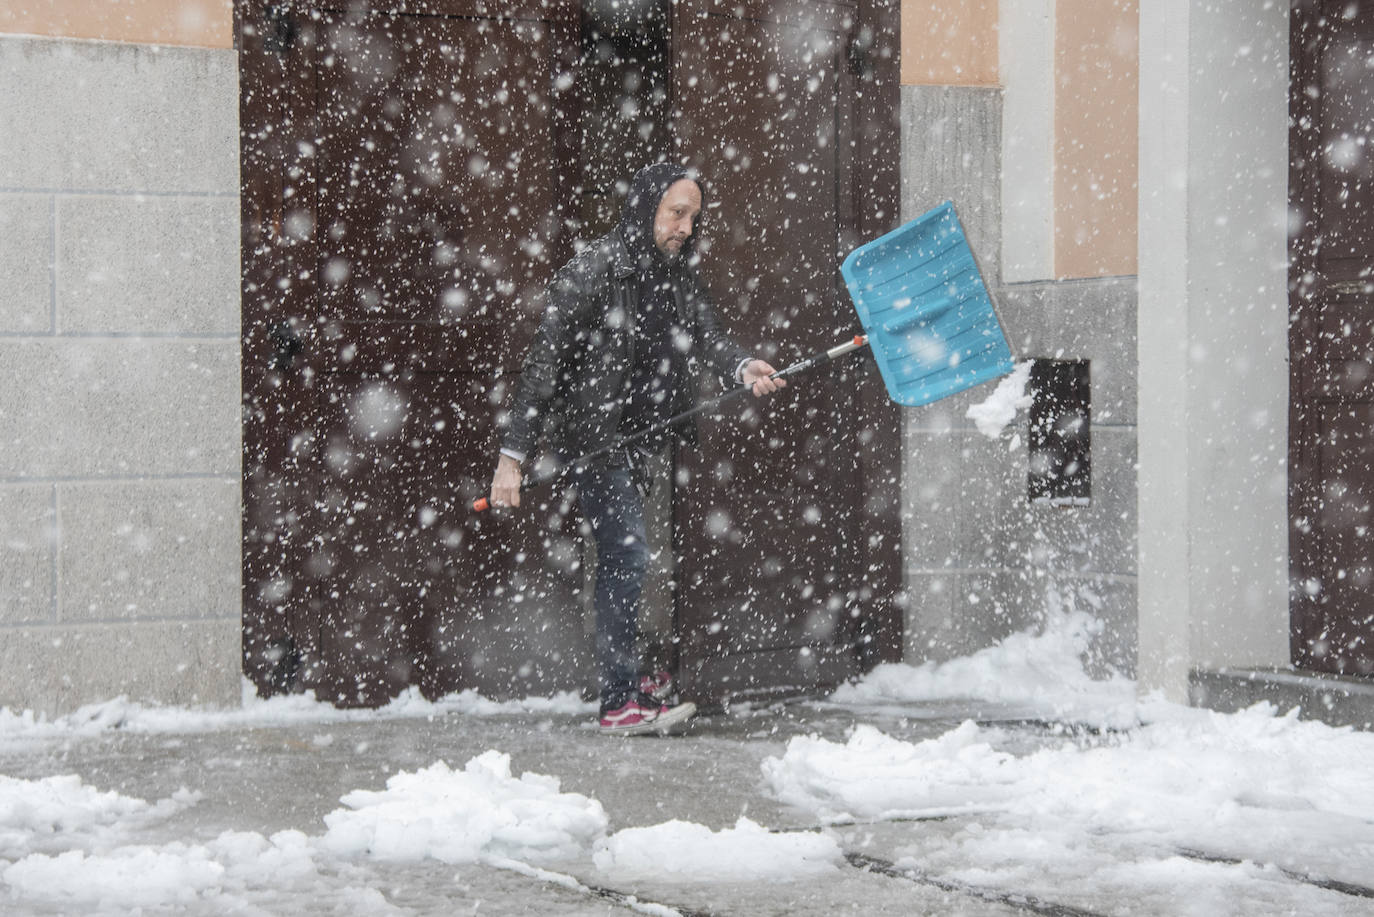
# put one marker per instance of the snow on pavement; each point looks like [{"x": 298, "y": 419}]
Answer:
[
  {"x": 20, "y": 729},
  {"x": 1036, "y": 673},
  {"x": 465, "y": 816},
  {"x": 1186, "y": 778},
  {"x": 481, "y": 814},
  {"x": 52, "y": 812},
  {"x": 130, "y": 877},
  {"x": 1119, "y": 819},
  {"x": 1166, "y": 802},
  {"x": 70, "y": 846},
  {"x": 746, "y": 852}
]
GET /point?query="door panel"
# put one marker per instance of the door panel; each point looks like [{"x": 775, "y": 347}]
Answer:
[
  {"x": 407, "y": 589},
  {"x": 411, "y": 177},
  {"x": 434, "y": 160},
  {"x": 1331, "y": 342},
  {"x": 1346, "y": 112},
  {"x": 766, "y": 570},
  {"x": 1339, "y": 625},
  {"x": 400, "y": 223}
]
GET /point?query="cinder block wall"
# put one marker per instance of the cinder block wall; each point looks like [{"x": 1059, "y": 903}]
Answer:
[
  {"x": 119, "y": 341},
  {"x": 982, "y": 561}
]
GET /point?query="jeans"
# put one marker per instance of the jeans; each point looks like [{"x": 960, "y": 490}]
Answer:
[{"x": 615, "y": 510}]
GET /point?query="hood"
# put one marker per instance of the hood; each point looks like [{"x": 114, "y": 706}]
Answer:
[{"x": 641, "y": 205}]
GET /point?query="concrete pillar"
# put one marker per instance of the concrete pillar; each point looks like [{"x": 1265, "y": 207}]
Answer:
[{"x": 1213, "y": 378}]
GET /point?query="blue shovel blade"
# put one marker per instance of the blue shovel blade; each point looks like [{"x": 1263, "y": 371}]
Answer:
[{"x": 930, "y": 322}]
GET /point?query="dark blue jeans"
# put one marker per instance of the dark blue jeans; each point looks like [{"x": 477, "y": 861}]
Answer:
[{"x": 614, "y": 509}]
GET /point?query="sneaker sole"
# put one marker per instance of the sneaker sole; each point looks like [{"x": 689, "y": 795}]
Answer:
[{"x": 660, "y": 725}]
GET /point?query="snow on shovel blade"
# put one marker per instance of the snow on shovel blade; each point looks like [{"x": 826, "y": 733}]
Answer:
[{"x": 930, "y": 322}]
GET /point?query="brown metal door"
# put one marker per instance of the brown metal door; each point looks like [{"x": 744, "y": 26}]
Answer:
[
  {"x": 1332, "y": 336},
  {"x": 404, "y": 175},
  {"x": 778, "y": 587}
]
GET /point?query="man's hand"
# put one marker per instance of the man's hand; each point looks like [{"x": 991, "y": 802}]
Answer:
[
  {"x": 756, "y": 375},
  {"x": 505, "y": 484}
]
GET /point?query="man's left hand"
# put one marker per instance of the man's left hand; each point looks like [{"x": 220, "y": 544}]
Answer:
[{"x": 757, "y": 374}]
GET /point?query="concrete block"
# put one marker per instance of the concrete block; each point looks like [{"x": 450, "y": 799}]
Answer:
[
  {"x": 1099, "y": 537},
  {"x": 55, "y": 670},
  {"x": 149, "y": 549},
  {"x": 28, "y": 538},
  {"x": 929, "y": 615},
  {"x": 1332, "y": 699},
  {"x": 993, "y": 503},
  {"x": 167, "y": 265},
  {"x": 942, "y": 417},
  {"x": 112, "y": 116},
  {"x": 959, "y": 613},
  {"x": 982, "y": 561},
  {"x": 1091, "y": 320},
  {"x": 99, "y": 408},
  {"x": 932, "y": 485},
  {"x": 952, "y": 151},
  {"x": 965, "y": 499},
  {"x": 993, "y": 605},
  {"x": 25, "y": 264},
  {"x": 1112, "y": 601}
]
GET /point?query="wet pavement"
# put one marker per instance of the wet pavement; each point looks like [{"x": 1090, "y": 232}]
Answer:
[{"x": 271, "y": 779}]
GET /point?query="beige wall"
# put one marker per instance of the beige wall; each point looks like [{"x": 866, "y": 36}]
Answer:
[
  {"x": 1094, "y": 113},
  {"x": 949, "y": 44},
  {"x": 197, "y": 23},
  {"x": 1096, "y": 71}
]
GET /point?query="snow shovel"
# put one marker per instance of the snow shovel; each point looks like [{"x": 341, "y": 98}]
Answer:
[
  {"x": 816, "y": 359},
  {"x": 930, "y": 323}
]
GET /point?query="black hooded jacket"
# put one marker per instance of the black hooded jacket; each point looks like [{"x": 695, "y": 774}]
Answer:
[{"x": 580, "y": 369}]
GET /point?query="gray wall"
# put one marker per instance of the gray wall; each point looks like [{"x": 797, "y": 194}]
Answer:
[
  {"x": 981, "y": 560},
  {"x": 119, "y": 413}
]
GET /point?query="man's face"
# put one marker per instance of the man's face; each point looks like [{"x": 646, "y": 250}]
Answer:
[{"x": 677, "y": 216}]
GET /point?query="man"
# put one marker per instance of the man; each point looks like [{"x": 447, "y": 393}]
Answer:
[{"x": 627, "y": 329}]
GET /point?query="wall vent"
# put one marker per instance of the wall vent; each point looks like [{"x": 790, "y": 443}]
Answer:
[{"x": 1060, "y": 433}]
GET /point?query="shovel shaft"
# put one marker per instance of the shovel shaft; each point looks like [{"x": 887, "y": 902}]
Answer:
[
  {"x": 801, "y": 366},
  {"x": 824, "y": 357}
]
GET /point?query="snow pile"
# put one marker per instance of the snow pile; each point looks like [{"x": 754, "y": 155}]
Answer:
[
  {"x": 1189, "y": 779},
  {"x": 56, "y": 811},
  {"x": 999, "y": 409},
  {"x": 67, "y": 840},
  {"x": 134, "y": 877},
  {"x": 1250, "y": 786},
  {"x": 67, "y": 844},
  {"x": 138, "y": 876},
  {"x": 1039, "y": 674},
  {"x": 687, "y": 851},
  {"x": 875, "y": 776},
  {"x": 467, "y": 816},
  {"x": 483, "y": 814},
  {"x": 229, "y": 874},
  {"x": 281, "y": 710}
]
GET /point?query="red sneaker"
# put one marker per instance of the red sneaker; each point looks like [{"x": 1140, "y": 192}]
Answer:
[
  {"x": 659, "y": 686},
  {"x": 642, "y": 715}
]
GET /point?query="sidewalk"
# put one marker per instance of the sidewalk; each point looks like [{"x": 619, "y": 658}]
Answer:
[
  {"x": 288, "y": 778},
  {"x": 260, "y": 780}
]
